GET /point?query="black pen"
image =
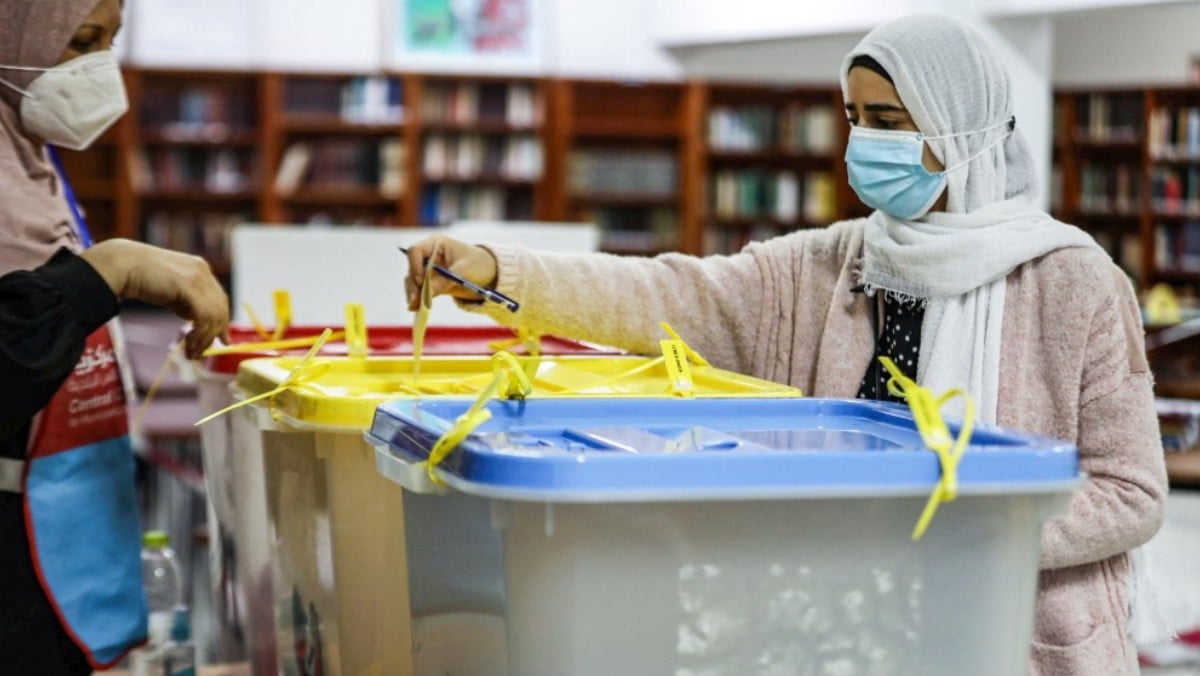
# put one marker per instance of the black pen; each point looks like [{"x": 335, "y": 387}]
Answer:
[{"x": 486, "y": 294}]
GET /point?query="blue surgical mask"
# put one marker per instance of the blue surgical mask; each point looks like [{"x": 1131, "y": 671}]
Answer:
[{"x": 885, "y": 170}]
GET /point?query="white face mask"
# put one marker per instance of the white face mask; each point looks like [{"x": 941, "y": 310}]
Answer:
[{"x": 73, "y": 103}]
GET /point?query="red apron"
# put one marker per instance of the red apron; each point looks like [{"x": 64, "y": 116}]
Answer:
[{"x": 81, "y": 508}]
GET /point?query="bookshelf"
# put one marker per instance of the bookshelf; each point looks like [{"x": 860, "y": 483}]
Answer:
[
  {"x": 1173, "y": 156},
  {"x": 195, "y": 163},
  {"x": 482, "y": 149},
  {"x": 101, "y": 186},
  {"x": 622, "y": 157},
  {"x": 771, "y": 156},
  {"x": 338, "y": 149},
  {"x": 1127, "y": 169},
  {"x": 651, "y": 162}
]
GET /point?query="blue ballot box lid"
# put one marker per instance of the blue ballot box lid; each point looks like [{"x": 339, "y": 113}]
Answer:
[{"x": 586, "y": 450}]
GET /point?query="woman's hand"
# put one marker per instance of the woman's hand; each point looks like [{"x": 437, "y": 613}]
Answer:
[
  {"x": 471, "y": 262},
  {"x": 180, "y": 282}
]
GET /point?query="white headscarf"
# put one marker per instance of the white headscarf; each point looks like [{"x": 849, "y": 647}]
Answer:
[{"x": 957, "y": 260}]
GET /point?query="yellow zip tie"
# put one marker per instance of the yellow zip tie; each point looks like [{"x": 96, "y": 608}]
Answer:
[
  {"x": 255, "y": 321},
  {"x": 679, "y": 373},
  {"x": 269, "y": 345},
  {"x": 653, "y": 363},
  {"x": 356, "y": 331},
  {"x": 530, "y": 339},
  {"x": 533, "y": 347},
  {"x": 518, "y": 384},
  {"x": 421, "y": 321},
  {"x": 152, "y": 390},
  {"x": 508, "y": 377},
  {"x": 283, "y": 313},
  {"x": 305, "y": 370},
  {"x": 926, "y": 409},
  {"x": 692, "y": 354}
]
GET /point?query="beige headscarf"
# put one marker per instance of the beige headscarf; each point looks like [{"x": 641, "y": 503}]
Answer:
[{"x": 34, "y": 218}]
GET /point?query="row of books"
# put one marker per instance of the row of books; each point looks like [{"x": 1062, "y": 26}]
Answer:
[
  {"x": 1174, "y": 134},
  {"x": 644, "y": 173},
  {"x": 781, "y": 195},
  {"x": 1177, "y": 246},
  {"x": 216, "y": 170},
  {"x": 1110, "y": 189},
  {"x": 1106, "y": 118},
  {"x": 465, "y": 103},
  {"x": 442, "y": 204},
  {"x": 797, "y": 128},
  {"x": 343, "y": 163},
  {"x": 1175, "y": 191},
  {"x": 206, "y": 112},
  {"x": 635, "y": 230},
  {"x": 718, "y": 240},
  {"x": 1124, "y": 247},
  {"x": 204, "y": 233},
  {"x": 359, "y": 100},
  {"x": 1179, "y": 423},
  {"x": 470, "y": 156}
]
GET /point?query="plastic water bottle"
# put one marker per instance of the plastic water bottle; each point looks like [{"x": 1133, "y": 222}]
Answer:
[
  {"x": 163, "y": 584},
  {"x": 179, "y": 654}
]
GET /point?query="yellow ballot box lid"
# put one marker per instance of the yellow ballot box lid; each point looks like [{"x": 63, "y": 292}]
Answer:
[{"x": 341, "y": 392}]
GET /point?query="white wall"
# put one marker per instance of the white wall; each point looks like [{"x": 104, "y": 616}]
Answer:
[
  {"x": 582, "y": 38},
  {"x": 697, "y": 22},
  {"x": 653, "y": 39},
  {"x": 608, "y": 39},
  {"x": 1127, "y": 46},
  {"x": 814, "y": 59}
]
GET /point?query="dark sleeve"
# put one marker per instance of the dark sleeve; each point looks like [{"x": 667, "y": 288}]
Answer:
[{"x": 46, "y": 316}]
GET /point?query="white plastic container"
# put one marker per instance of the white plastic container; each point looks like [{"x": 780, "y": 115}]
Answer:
[
  {"x": 714, "y": 536},
  {"x": 250, "y": 613}
]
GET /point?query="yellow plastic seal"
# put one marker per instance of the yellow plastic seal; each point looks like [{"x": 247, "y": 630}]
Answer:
[
  {"x": 356, "y": 331},
  {"x": 693, "y": 355},
  {"x": 926, "y": 409},
  {"x": 271, "y": 345},
  {"x": 152, "y": 391},
  {"x": 508, "y": 378},
  {"x": 259, "y": 328},
  {"x": 306, "y": 369},
  {"x": 421, "y": 321},
  {"x": 283, "y": 313},
  {"x": 678, "y": 371}
]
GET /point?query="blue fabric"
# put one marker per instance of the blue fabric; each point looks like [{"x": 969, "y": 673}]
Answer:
[
  {"x": 85, "y": 235},
  {"x": 884, "y": 169},
  {"x": 83, "y": 510}
]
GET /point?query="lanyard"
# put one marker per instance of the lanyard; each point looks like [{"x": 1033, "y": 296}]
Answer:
[{"x": 81, "y": 228}]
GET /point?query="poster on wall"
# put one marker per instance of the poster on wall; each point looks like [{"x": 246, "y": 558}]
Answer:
[{"x": 468, "y": 35}]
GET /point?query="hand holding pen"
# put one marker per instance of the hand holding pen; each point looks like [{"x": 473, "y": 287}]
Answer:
[{"x": 461, "y": 270}]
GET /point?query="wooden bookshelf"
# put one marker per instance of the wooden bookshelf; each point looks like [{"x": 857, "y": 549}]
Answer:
[
  {"x": 770, "y": 157},
  {"x": 1127, "y": 169},
  {"x": 482, "y": 149},
  {"x": 203, "y": 150},
  {"x": 101, "y": 185},
  {"x": 337, "y": 148},
  {"x": 624, "y": 156}
]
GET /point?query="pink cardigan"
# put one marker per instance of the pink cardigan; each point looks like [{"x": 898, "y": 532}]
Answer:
[{"x": 1072, "y": 367}]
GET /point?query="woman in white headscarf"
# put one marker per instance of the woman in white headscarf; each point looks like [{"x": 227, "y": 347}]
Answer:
[{"x": 957, "y": 276}]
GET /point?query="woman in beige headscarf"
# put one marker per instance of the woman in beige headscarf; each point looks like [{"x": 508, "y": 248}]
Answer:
[
  {"x": 958, "y": 277},
  {"x": 70, "y": 581}
]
